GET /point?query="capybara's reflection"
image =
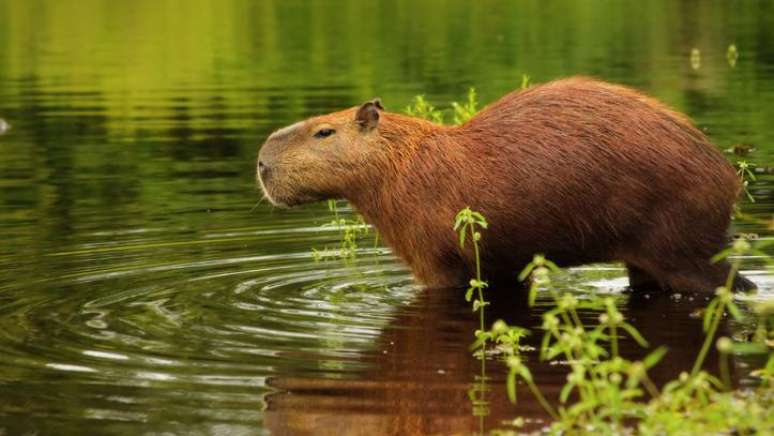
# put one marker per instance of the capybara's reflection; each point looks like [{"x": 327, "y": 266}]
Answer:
[{"x": 422, "y": 371}]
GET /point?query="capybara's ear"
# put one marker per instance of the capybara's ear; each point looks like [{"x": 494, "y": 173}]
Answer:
[
  {"x": 368, "y": 114},
  {"x": 378, "y": 103}
]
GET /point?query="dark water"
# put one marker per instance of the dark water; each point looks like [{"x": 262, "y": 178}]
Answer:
[{"x": 139, "y": 294}]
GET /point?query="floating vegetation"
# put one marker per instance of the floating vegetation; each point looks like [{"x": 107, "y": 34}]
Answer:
[
  {"x": 732, "y": 55},
  {"x": 695, "y": 59}
]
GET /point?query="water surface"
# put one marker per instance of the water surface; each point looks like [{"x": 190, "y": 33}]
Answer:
[{"x": 143, "y": 291}]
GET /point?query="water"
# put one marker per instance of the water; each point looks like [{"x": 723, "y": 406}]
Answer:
[{"x": 140, "y": 293}]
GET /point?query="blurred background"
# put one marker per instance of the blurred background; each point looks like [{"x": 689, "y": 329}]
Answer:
[{"x": 143, "y": 288}]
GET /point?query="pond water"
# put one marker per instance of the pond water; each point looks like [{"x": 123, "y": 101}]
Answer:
[{"x": 143, "y": 290}]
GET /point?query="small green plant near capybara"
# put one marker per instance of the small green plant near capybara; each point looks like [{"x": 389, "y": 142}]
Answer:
[
  {"x": 612, "y": 392},
  {"x": 744, "y": 171},
  {"x": 468, "y": 224},
  {"x": 350, "y": 230},
  {"x": 460, "y": 112},
  {"x": 465, "y": 111},
  {"x": 421, "y": 108}
]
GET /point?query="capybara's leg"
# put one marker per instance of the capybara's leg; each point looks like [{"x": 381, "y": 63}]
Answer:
[
  {"x": 743, "y": 284},
  {"x": 639, "y": 279},
  {"x": 707, "y": 277},
  {"x": 691, "y": 281},
  {"x": 442, "y": 272}
]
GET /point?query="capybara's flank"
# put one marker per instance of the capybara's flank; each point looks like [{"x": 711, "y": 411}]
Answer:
[{"x": 579, "y": 169}]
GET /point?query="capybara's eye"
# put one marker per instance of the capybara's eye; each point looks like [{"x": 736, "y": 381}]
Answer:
[{"x": 322, "y": 133}]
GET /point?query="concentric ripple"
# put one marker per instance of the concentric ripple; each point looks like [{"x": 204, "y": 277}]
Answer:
[{"x": 141, "y": 335}]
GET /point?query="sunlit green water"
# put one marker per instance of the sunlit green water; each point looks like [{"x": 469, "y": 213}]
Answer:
[{"x": 140, "y": 293}]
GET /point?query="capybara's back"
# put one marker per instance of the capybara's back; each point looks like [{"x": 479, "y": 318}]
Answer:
[
  {"x": 577, "y": 169},
  {"x": 598, "y": 172}
]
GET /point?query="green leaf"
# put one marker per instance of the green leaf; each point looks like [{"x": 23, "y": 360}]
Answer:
[
  {"x": 551, "y": 265},
  {"x": 733, "y": 309},
  {"x": 565, "y": 393},
  {"x": 654, "y": 357},
  {"x": 511, "y": 385},
  {"x": 533, "y": 290},
  {"x": 525, "y": 374},
  {"x": 709, "y": 312},
  {"x": 469, "y": 294},
  {"x": 544, "y": 345},
  {"x": 479, "y": 219},
  {"x": 720, "y": 256},
  {"x": 634, "y": 334},
  {"x": 749, "y": 348},
  {"x": 480, "y": 340},
  {"x": 526, "y": 271}
]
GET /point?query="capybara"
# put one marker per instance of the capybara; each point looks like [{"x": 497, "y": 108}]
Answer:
[{"x": 577, "y": 169}]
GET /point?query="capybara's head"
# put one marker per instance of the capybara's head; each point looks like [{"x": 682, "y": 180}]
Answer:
[{"x": 319, "y": 158}]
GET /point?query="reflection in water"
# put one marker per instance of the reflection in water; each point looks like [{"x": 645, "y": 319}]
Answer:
[
  {"x": 139, "y": 294},
  {"x": 418, "y": 383}
]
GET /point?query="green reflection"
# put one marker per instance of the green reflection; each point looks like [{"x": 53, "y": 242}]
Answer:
[{"x": 127, "y": 179}]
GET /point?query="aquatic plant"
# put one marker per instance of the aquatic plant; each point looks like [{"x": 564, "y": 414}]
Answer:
[
  {"x": 744, "y": 171},
  {"x": 467, "y": 224},
  {"x": 465, "y": 111},
  {"x": 460, "y": 112},
  {"x": 524, "y": 81},
  {"x": 610, "y": 391},
  {"x": 421, "y": 108},
  {"x": 350, "y": 230}
]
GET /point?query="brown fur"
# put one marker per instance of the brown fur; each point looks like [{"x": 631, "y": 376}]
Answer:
[{"x": 581, "y": 170}]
